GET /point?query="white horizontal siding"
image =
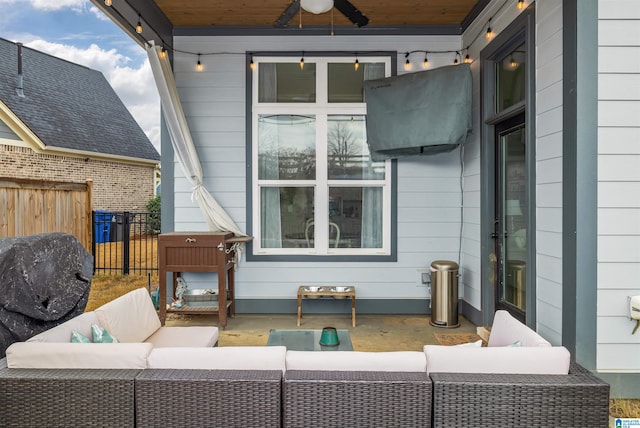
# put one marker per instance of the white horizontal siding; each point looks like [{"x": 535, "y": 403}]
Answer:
[
  {"x": 618, "y": 183},
  {"x": 548, "y": 186},
  {"x": 214, "y": 103}
]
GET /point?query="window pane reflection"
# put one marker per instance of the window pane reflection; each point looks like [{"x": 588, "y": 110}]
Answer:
[
  {"x": 286, "y": 83},
  {"x": 285, "y": 215},
  {"x": 287, "y": 148},
  {"x": 510, "y": 76},
  {"x": 346, "y": 81},
  {"x": 355, "y": 217},
  {"x": 348, "y": 152}
]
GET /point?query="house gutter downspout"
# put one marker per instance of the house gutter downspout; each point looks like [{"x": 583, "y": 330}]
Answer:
[{"x": 20, "y": 87}]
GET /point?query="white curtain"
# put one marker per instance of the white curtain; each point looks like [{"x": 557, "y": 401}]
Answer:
[
  {"x": 216, "y": 217},
  {"x": 371, "y": 231}
]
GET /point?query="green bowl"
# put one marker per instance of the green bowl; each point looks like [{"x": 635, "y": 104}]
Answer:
[{"x": 329, "y": 337}]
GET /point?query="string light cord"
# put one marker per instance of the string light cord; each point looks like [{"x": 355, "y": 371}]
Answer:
[{"x": 456, "y": 52}]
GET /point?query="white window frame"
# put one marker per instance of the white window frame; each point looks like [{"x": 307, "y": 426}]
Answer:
[{"x": 321, "y": 109}]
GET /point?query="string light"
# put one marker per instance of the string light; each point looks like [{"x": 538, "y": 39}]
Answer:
[
  {"x": 520, "y": 4},
  {"x": 251, "y": 64},
  {"x": 139, "y": 29},
  {"x": 163, "y": 52},
  {"x": 489, "y": 30},
  {"x": 139, "y": 26},
  {"x": 512, "y": 62},
  {"x": 356, "y": 65},
  {"x": 407, "y": 63},
  {"x": 467, "y": 59},
  {"x": 455, "y": 59}
]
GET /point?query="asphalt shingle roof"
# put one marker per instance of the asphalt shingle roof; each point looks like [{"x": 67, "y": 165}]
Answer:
[{"x": 70, "y": 106}]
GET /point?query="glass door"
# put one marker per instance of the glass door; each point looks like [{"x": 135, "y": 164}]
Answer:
[{"x": 511, "y": 220}]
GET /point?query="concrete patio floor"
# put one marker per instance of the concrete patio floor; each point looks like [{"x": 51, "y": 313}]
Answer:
[{"x": 372, "y": 332}]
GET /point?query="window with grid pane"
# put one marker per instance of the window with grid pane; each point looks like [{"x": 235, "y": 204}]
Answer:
[{"x": 316, "y": 190}]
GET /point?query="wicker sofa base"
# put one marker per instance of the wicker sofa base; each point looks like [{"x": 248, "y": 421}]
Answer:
[
  {"x": 356, "y": 399},
  {"x": 67, "y": 397},
  {"x": 208, "y": 398},
  {"x": 251, "y": 398},
  {"x": 579, "y": 399}
]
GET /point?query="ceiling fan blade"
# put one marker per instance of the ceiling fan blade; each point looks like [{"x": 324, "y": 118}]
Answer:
[
  {"x": 288, "y": 13},
  {"x": 351, "y": 12}
]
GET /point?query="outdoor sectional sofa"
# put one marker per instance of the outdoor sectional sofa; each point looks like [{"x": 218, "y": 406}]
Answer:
[{"x": 199, "y": 385}]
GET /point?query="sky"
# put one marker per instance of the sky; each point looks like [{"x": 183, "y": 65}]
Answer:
[{"x": 77, "y": 31}]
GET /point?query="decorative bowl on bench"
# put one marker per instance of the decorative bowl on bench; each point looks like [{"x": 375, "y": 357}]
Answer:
[{"x": 204, "y": 297}]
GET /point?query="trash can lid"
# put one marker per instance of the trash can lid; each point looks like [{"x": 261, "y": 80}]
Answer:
[{"x": 444, "y": 265}]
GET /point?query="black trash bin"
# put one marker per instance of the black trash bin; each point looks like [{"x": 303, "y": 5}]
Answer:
[
  {"x": 117, "y": 226},
  {"x": 444, "y": 294}
]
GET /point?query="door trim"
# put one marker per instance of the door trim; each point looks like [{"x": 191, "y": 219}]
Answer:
[{"x": 521, "y": 30}]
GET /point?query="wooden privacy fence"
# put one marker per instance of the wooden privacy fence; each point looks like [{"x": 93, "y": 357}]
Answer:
[{"x": 28, "y": 207}]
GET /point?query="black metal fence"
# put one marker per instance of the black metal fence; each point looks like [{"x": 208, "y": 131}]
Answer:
[{"x": 125, "y": 242}]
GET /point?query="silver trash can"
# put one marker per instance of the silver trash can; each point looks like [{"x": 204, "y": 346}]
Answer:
[{"x": 444, "y": 294}]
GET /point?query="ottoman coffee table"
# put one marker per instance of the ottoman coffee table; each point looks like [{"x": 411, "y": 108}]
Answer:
[{"x": 307, "y": 340}]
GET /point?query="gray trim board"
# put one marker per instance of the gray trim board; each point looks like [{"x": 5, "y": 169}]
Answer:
[
  {"x": 155, "y": 25},
  {"x": 521, "y": 30},
  {"x": 623, "y": 385},
  {"x": 472, "y": 314},
  {"x": 580, "y": 180},
  {"x": 310, "y": 30},
  {"x": 332, "y": 306}
]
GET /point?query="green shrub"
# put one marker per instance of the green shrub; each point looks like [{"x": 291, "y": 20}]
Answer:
[{"x": 153, "y": 208}]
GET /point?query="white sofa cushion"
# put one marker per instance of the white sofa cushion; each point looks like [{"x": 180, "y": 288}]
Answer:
[
  {"x": 131, "y": 317},
  {"x": 226, "y": 358},
  {"x": 506, "y": 330},
  {"x": 396, "y": 361},
  {"x": 192, "y": 336},
  {"x": 507, "y": 359},
  {"x": 41, "y": 355},
  {"x": 62, "y": 333}
]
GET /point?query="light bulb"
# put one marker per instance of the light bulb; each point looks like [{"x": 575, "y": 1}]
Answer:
[
  {"x": 302, "y": 63},
  {"x": 356, "y": 65},
  {"x": 425, "y": 64},
  {"x": 455, "y": 61},
  {"x": 163, "y": 52},
  {"x": 489, "y": 30},
  {"x": 139, "y": 26},
  {"x": 251, "y": 64},
  {"x": 467, "y": 59},
  {"x": 520, "y": 4},
  {"x": 107, "y": 2},
  {"x": 512, "y": 62},
  {"x": 407, "y": 65},
  {"x": 199, "y": 66}
]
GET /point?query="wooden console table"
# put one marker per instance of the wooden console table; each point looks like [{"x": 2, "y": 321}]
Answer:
[
  {"x": 198, "y": 252},
  {"x": 328, "y": 291}
]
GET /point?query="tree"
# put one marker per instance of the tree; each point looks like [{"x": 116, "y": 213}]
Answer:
[{"x": 153, "y": 218}]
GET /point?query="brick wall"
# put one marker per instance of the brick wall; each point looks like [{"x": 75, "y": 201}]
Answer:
[{"x": 116, "y": 186}]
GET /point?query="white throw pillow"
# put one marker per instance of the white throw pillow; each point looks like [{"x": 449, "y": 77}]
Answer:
[
  {"x": 507, "y": 330},
  {"x": 130, "y": 318}
]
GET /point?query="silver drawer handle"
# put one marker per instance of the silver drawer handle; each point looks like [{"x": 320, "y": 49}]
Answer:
[{"x": 190, "y": 240}]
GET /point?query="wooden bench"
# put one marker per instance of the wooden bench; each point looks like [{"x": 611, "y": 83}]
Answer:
[{"x": 336, "y": 292}]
